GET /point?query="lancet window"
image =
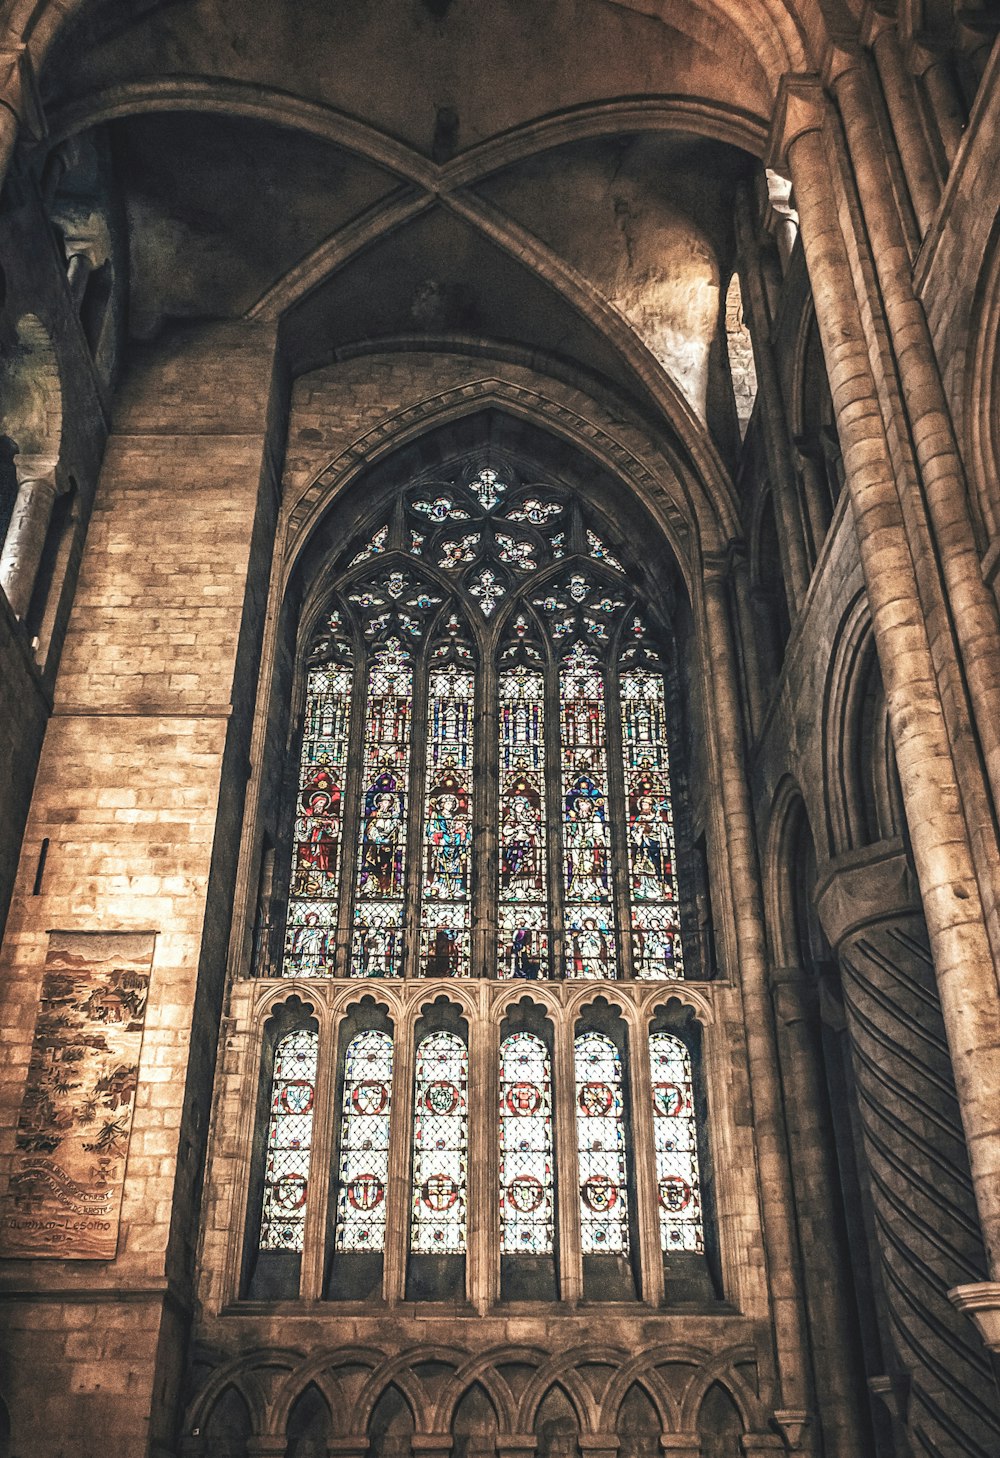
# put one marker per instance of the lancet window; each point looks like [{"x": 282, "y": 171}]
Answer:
[
  {"x": 364, "y": 1142},
  {"x": 440, "y": 1146},
  {"x": 601, "y": 1146},
  {"x": 675, "y": 1136},
  {"x": 428, "y": 844},
  {"x": 527, "y": 1204},
  {"x": 289, "y": 1142}
]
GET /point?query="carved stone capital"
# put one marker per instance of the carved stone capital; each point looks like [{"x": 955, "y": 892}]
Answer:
[
  {"x": 981, "y": 1302},
  {"x": 864, "y": 888},
  {"x": 19, "y": 91},
  {"x": 801, "y": 107},
  {"x": 793, "y": 1425}
]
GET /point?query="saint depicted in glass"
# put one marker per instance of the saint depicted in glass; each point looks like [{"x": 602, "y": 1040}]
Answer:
[
  {"x": 675, "y": 1135},
  {"x": 601, "y": 1146},
  {"x": 656, "y": 944},
  {"x": 364, "y": 1143},
  {"x": 447, "y": 884},
  {"x": 310, "y": 934},
  {"x": 289, "y": 1142},
  {"x": 527, "y": 1209},
  {"x": 378, "y": 911},
  {"x": 523, "y": 911},
  {"x": 590, "y": 942},
  {"x": 440, "y": 1146}
]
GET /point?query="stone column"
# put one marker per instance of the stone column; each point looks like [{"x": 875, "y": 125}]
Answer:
[
  {"x": 973, "y": 608},
  {"x": 750, "y": 651},
  {"x": 900, "y": 92},
  {"x": 933, "y": 66},
  {"x": 516, "y": 1445},
  {"x": 785, "y": 218},
  {"x": 794, "y": 560},
  {"x": 921, "y": 1184},
  {"x": 680, "y": 1445},
  {"x": 781, "y": 1250},
  {"x": 962, "y": 957},
  {"x": 841, "y": 1404},
  {"x": 25, "y": 541}
]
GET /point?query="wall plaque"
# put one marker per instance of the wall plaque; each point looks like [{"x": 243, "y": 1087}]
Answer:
[{"x": 68, "y": 1171}]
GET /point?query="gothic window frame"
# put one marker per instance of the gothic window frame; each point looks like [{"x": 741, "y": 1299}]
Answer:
[{"x": 514, "y": 634}]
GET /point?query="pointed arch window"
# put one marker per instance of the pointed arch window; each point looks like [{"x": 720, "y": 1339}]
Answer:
[
  {"x": 440, "y": 1146},
  {"x": 426, "y": 847},
  {"x": 675, "y": 1134},
  {"x": 527, "y": 1203},
  {"x": 364, "y": 1143},
  {"x": 289, "y": 1142},
  {"x": 601, "y": 1146}
]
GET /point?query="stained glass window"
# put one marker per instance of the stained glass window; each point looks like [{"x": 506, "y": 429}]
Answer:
[
  {"x": 675, "y": 1135},
  {"x": 523, "y": 911},
  {"x": 600, "y": 1130},
  {"x": 440, "y": 1146},
  {"x": 527, "y": 1212},
  {"x": 656, "y": 943},
  {"x": 289, "y": 1142},
  {"x": 311, "y": 927},
  {"x": 590, "y": 935},
  {"x": 378, "y": 913},
  {"x": 447, "y": 884},
  {"x": 529, "y": 594},
  {"x": 364, "y": 1142}
]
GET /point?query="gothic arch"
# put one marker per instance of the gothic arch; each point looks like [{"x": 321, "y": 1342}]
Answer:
[
  {"x": 320, "y": 1371},
  {"x": 701, "y": 503}
]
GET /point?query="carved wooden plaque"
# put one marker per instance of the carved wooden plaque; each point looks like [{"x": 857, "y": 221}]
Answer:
[{"x": 68, "y": 1171}]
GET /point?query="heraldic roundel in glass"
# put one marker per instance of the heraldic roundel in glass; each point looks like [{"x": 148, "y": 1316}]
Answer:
[
  {"x": 289, "y": 1142},
  {"x": 527, "y": 1215},
  {"x": 601, "y": 1146},
  {"x": 364, "y": 1142},
  {"x": 440, "y": 1146}
]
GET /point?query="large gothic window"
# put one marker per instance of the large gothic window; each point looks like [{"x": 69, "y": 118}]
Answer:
[
  {"x": 289, "y": 1142},
  {"x": 440, "y": 1146},
  {"x": 484, "y": 780},
  {"x": 601, "y": 1145},
  {"x": 364, "y": 1143}
]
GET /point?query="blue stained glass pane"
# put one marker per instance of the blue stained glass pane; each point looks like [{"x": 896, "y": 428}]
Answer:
[
  {"x": 440, "y": 1146},
  {"x": 289, "y": 1142},
  {"x": 675, "y": 1136},
  {"x": 364, "y": 1143},
  {"x": 378, "y": 913},
  {"x": 446, "y": 894},
  {"x": 527, "y": 1207},
  {"x": 590, "y": 937},
  {"x": 601, "y": 1146},
  {"x": 656, "y": 942},
  {"x": 310, "y": 933},
  {"x": 523, "y": 910}
]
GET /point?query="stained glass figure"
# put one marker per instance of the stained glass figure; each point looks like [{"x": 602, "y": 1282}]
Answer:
[
  {"x": 676, "y": 1142},
  {"x": 447, "y": 883},
  {"x": 523, "y": 944},
  {"x": 378, "y": 912},
  {"x": 289, "y": 1142},
  {"x": 440, "y": 1146},
  {"x": 457, "y": 550},
  {"x": 590, "y": 937},
  {"x": 374, "y": 548},
  {"x": 310, "y": 932},
  {"x": 656, "y": 942},
  {"x": 600, "y": 552},
  {"x": 535, "y": 511},
  {"x": 600, "y": 1130},
  {"x": 517, "y": 554},
  {"x": 527, "y": 1213},
  {"x": 441, "y": 508},
  {"x": 364, "y": 1142}
]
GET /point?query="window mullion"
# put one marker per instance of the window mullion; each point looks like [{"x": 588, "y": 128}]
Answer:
[
  {"x": 651, "y": 1281},
  {"x": 397, "y": 1221},
  {"x": 324, "y": 1125},
  {"x": 567, "y": 1165}
]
